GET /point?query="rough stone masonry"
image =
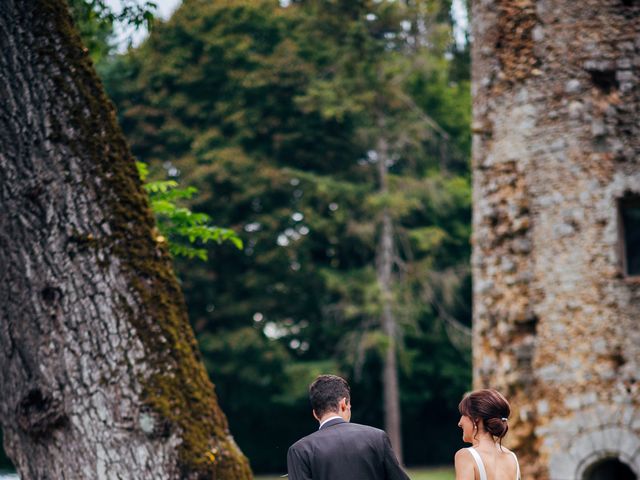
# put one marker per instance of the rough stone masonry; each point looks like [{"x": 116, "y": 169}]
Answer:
[{"x": 556, "y": 124}]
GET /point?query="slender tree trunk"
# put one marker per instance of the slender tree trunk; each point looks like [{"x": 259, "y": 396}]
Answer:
[
  {"x": 384, "y": 265},
  {"x": 101, "y": 376}
]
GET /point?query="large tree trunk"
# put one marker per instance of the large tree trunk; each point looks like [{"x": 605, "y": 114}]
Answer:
[
  {"x": 384, "y": 266},
  {"x": 101, "y": 376}
]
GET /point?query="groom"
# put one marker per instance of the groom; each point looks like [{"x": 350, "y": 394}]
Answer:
[{"x": 340, "y": 450}]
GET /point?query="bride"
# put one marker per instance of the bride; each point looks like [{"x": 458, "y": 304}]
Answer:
[{"x": 484, "y": 423}]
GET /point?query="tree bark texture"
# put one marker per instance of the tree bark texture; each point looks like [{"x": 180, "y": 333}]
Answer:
[
  {"x": 384, "y": 266},
  {"x": 101, "y": 375}
]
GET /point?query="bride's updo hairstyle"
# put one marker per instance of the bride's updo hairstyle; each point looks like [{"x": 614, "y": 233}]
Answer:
[{"x": 489, "y": 407}]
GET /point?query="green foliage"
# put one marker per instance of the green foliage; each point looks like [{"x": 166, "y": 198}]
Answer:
[
  {"x": 95, "y": 27},
  {"x": 179, "y": 225},
  {"x": 96, "y": 20},
  {"x": 274, "y": 115}
]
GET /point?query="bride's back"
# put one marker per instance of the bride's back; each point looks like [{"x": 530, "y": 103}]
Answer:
[{"x": 499, "y": 463}]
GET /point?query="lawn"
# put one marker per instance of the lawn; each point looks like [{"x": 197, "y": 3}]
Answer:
[
  {"x": 414, "y": 473},
  {"x": 431, "y": 473}
]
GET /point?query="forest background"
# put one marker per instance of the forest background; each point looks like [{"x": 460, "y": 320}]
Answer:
[{"x": 312, "y": 128}]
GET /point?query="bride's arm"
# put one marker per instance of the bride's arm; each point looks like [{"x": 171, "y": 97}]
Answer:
[{"x": 464, "y": 465}]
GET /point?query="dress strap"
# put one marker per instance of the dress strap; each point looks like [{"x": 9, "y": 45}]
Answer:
[
  {"x": 478, "y": 459},
  {"x": 517, "y": 466}
]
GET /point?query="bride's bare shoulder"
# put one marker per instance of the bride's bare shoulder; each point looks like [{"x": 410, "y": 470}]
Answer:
[
  {"x": 506, "y": 450},
  {"x": 464, "y": 464},
  {"x": 463, "y": 457}
]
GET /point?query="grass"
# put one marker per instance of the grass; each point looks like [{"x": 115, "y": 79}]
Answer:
[
  {"x": 444, "y": 473},
  {"x": 414, "y": 474}
]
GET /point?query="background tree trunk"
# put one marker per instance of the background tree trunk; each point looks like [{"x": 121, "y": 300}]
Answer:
[
  {"x": 101, "y": 373},
  {"x": 384, "y": 266}
]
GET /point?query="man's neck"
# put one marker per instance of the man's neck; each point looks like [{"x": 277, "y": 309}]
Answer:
[{"x": 328, "y": 417}]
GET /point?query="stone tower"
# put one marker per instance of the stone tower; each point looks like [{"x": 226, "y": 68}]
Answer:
[{"x": 556, "y": 245}]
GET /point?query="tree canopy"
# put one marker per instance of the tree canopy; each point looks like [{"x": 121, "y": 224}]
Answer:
[{"x": 275, "y": 113}]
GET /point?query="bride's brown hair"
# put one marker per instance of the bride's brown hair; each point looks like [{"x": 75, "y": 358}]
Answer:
[{"x": 489, "y": 407}]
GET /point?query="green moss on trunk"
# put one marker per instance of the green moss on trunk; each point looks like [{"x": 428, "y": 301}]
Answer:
[{"x": 179, "y": 390}]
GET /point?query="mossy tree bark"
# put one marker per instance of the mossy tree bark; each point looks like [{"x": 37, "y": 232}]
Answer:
[{"x": 101, "y": 376}]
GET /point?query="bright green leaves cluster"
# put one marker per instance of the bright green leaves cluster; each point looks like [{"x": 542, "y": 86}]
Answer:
[{"x": 181, "y": 227}]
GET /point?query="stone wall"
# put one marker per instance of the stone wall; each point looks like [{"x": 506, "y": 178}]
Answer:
[{"x": 556, "y": 87}]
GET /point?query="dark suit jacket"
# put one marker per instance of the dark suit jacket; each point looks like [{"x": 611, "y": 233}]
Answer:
[{"x": 344, "y": 451}]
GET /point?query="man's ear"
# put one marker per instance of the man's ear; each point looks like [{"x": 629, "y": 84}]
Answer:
[
  {"x": 342, "y": 405},
  {"x": 315, "y": 415}
]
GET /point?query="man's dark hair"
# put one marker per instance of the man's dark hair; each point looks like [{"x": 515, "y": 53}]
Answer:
[{"x": 326, "y": 392}]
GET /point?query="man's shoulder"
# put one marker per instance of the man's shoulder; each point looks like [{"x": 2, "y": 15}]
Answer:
[
  {"x": 366, "y": 429},
  {"x": 300, "y": 444},
  {"x": 350, "y": 429},
  {"x": 340, "y": 427},
  {"x": 305, "y": 441}
]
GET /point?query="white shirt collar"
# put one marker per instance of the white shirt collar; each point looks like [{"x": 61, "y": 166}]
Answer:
[{"x": 328, "y": 420}]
